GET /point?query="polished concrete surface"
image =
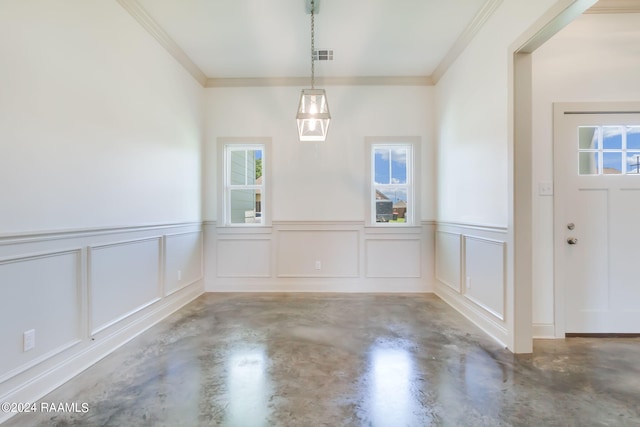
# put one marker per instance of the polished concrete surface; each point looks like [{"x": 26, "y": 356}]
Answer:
[{"x": 345, "y": 360}]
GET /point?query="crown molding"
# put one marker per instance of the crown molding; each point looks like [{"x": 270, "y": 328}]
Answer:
[
  {"x": 154, "y": 29},
  {"x": 465, "y": 38},
  {"x": 148, "y": 23},
  {"x": 615, "y": 6},
  {"x": 321, "y": 81}
]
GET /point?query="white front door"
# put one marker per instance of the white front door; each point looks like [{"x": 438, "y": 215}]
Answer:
[{"x": 597, "y": 217}]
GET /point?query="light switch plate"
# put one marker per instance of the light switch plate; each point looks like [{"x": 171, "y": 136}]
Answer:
[{"x": 545, "y": 188}]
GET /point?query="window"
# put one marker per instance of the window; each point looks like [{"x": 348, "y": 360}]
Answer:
[
  {"x": 609, "y": 150},
  {"x": 244, "y": 169},
  {"x": 392, "y": 183}
]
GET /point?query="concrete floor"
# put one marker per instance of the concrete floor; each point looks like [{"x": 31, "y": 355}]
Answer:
[{"x": 346, "y": 360}]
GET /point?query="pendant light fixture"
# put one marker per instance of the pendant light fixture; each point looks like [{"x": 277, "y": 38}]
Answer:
[{"x": 313, "y": 111}]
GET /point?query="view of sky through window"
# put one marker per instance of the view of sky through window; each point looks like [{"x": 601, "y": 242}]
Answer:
[
  {"x": 391, "y": 175},
  {"x": 609, "y": 150},
  {"x": 390, "y": 167}
]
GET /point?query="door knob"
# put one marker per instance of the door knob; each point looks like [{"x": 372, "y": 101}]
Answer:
[{"x": 572, "y": 240}]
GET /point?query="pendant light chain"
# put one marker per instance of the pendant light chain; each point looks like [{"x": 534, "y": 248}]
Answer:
[{"x": 313, "y": 44}]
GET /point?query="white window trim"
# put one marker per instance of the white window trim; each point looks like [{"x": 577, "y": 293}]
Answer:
[
  {"x": 413, "y": 178},
  {"x": 224, "y": 219}
]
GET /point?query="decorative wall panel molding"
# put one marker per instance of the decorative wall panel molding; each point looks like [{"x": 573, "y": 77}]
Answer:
[
  {"x": 36, "y": 282},
  {"x": 319, "y": 256},
  {"x": 480, "y": 264},
  {"x": 449, "y": 259},
  {"x": 183, "y": 260},
  {"x": 393, "y": 258},
  {"x": 485, "y": 274},
  {"x": 316, "y": 253},
  {"x": 124, "y": 278},
  {"x": 243, "y": 257},
  {"x": 38, "y": 236},
  {"x": 68, "y": 284}
]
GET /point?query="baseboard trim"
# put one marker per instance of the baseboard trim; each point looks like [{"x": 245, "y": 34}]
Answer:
[
  {"x": 475, "y": 314},
  {"x": 598, "y": 335},
  {"x": 544, "y": 331},
  {"x": 329, "y": 285}
]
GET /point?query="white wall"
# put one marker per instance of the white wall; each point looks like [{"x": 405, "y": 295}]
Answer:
[
  {"x": 595, "y": 58},
  {"x": 100, "y": 142},
  {"x": 474, "y": 109},
  {"x": 322, "y": 181},
  {"x": 320, "y": 193},
  {"x": 86, "y": 92}
]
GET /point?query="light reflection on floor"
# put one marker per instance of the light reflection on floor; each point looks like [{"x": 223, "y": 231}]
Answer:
[
  {"x": 392, "y": 373},
  {"x": 248, "y": 388}
]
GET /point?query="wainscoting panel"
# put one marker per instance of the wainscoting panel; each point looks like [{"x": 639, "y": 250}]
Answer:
[
  {"x": 448, "y": 259},
  {"x": 69, "y": 286},
  {"x": 29, "y": 286},
  {"x": 318, "y": 253},
  {"x": 123, "y": 278},
  {"x": 244, "y": 257},
  {"x": 183, "y": 260},
  {"x": 393, "y": 258},
  {"x": 471, "y": 274},
  {"x": 319, "y": 256},
  {"x": 485, "y": 274}
]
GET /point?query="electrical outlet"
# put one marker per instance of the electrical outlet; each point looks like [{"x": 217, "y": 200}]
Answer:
[
  {"x": 28, "y": 340},
  {"x": 318, "y": 265},
  {"x": 179, "y": 275}
]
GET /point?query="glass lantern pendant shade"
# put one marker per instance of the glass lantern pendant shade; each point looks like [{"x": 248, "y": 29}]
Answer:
[
  {"x": 313, "y": 115},
  {"x": 313, "y": 111}
]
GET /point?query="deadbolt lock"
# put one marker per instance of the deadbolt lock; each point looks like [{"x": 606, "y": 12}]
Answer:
[{"x": 571, "y": 226}]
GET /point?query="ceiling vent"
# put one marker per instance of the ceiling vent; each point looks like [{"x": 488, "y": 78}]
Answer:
[
  {"x": 316, "y": 8},
  {"x": 323, "y": 55}
]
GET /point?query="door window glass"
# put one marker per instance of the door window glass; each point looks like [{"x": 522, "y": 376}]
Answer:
[{"x": 609, "y": 150}]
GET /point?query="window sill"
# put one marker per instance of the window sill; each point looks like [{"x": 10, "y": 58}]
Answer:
[
  {"x": 392, "y": 229},
  {"x": 244, "y": 229}
]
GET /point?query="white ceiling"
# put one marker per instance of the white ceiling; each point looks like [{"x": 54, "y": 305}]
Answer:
[{"x": 271, "y": 38}]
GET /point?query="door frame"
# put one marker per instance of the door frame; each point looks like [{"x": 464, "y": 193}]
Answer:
[
  {"x": 520, "y": 174},
  {"x": 559, "y": 110}
]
